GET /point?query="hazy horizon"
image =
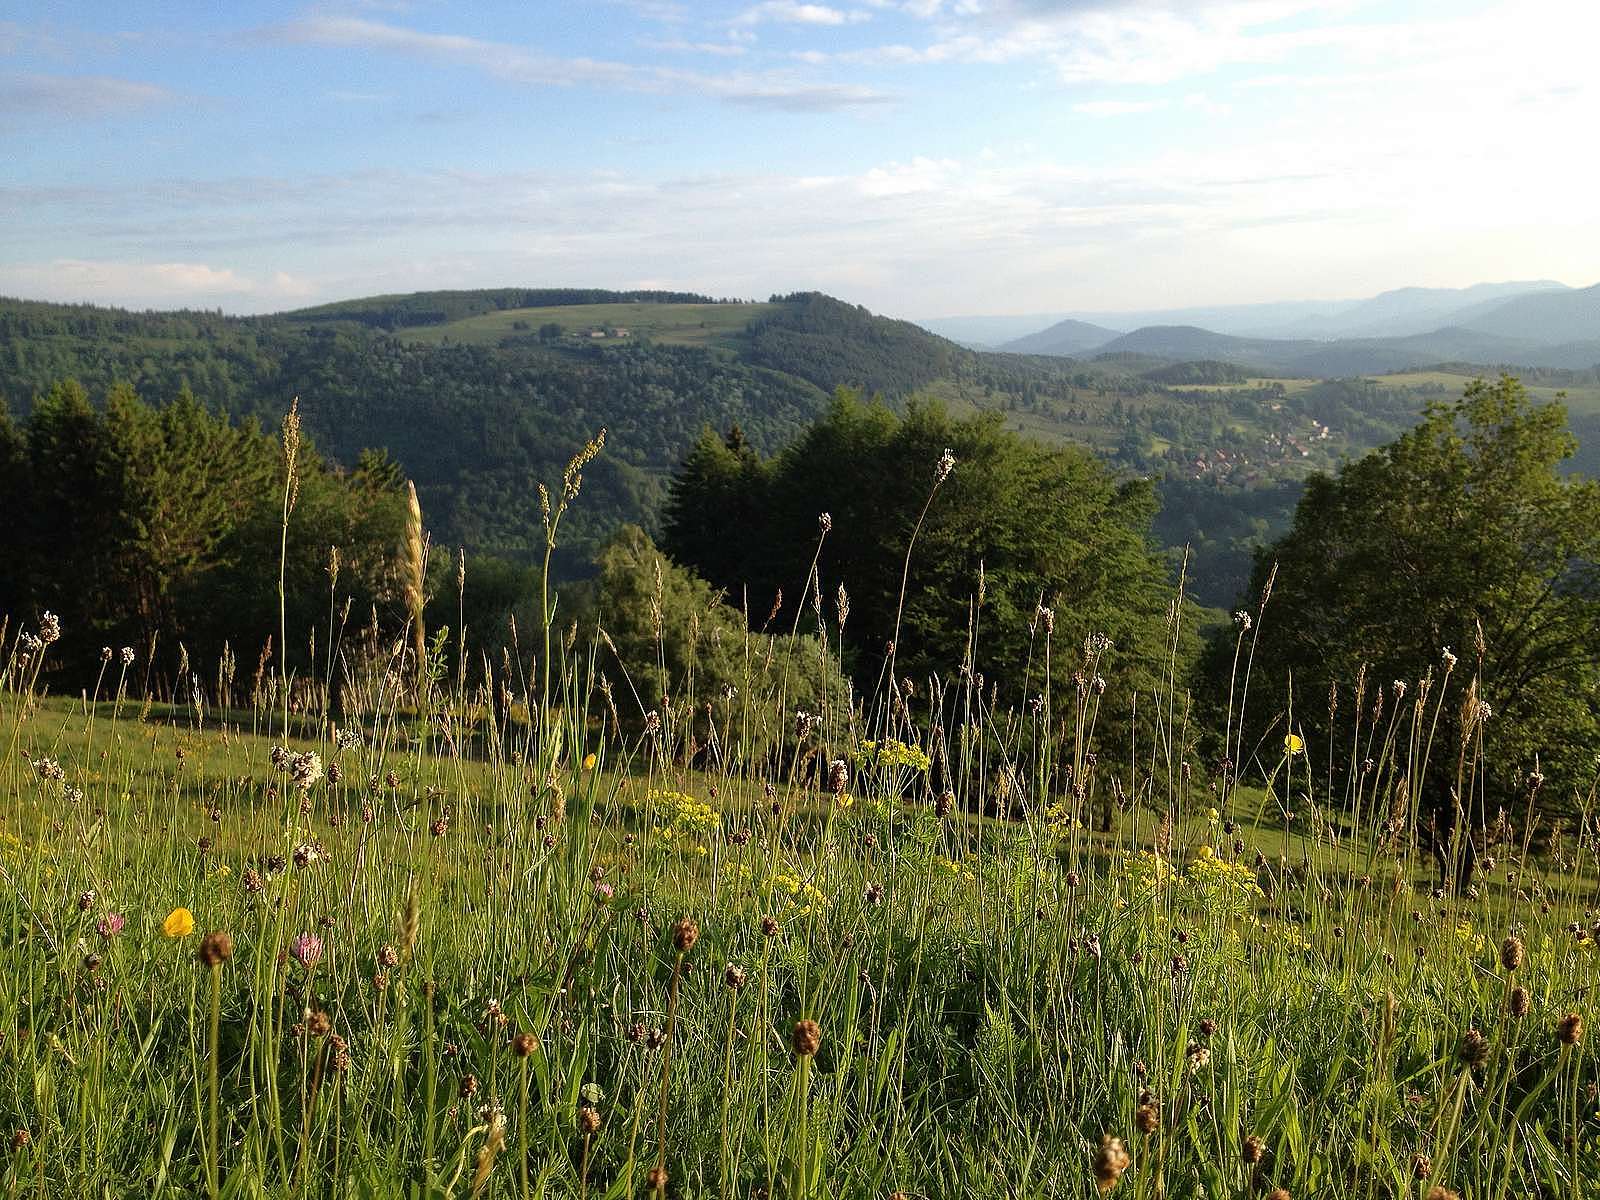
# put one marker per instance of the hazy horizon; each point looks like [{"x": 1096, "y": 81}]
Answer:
[{"x": 925, "y": 158}]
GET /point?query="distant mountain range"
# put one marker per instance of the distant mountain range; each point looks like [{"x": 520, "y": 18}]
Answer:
[{"x": 1533, "y": 324}]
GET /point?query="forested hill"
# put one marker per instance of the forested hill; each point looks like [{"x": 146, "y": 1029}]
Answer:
[{"x": 481, "y": 395}]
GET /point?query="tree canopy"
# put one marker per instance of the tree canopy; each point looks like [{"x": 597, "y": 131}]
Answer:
[
  {"x": 1463, "y": 535},
  {"x": 1017, "y": 525}
]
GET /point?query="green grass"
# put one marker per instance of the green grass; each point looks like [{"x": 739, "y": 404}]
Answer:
[
  {"x": 516, "y": 938},
  {"x": 671, "y": 324},
  {"x": 1579, "y": 399},
  {"x": 995, "y": 992}
]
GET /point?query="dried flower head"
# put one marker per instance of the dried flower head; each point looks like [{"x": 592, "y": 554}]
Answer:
[
  {"x": 1570, "y": 1031},
  {"x": 806, "y": 1038},
  {"x": 1474, "y": 1049},
  {"x": 216, "y": 948},
  {"x": 1511, "y": 953},
  {"x": 1110, "y": 1161},
  {"x": 685, "y": 934}
]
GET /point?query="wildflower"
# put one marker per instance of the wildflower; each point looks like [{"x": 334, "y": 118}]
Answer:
[
  {"x": 179, "y": 923},
  {"x": 588, "y": 1120},
  {"x": 1293, "y": 743},
  {"x": 838, "y": 776},
  {"x": 1110, "y": 1162},
  {"x": 49, "y": 628},
  {"x": 1519, "y": 1002},
  {"x": 656, "y": 1179},
  {"x": 806, "y": 1038},
  {"x": 1147, "y": 1119},
  {"x": 127, "y": 656},
  {"x": 307, "y": 854},
  {"x": 306, "y": 949},
  {"x": 1254, "y": 1150},
  {"x": 1439, "y": 1193},
  {"x": 685, "y": 934},
  {"x": 1570, "y": 1031},
  {"x": 1449, "y": 661},
  {"x": 734, "y": 977},
  {"x": 49, "y": 770},
  {"x": 523, "y": 1044},
  {"x": 1511, "y": 953},
  {"x": 111, "y": 924},
  {"x": 85, "y": 901},
  {"x": 946, "y": 464},
  {"x": 1242, "y": 620},
  {"x": 216, "y": 948},
  {"x": 589, "y": 760},
  {"x": 305, "y": 769},
  {"x": 1474, "y": 1050}
]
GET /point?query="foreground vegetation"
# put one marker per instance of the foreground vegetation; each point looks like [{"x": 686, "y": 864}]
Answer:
[{"x": 579, "y": 929}]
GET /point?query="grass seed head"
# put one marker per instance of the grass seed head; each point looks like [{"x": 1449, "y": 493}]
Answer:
[
  {"x": 216, "y": 948},
  {"x": 685, "y": 934},
  {"x": 1110, "y": 1161},
  {"x": 1511, "y": 953},
  {"x": 1570, "y": 1031},
  {"x": 806, "y": 1038}
]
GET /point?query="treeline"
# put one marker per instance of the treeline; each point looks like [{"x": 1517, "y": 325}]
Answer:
[
  {"x": 440, "y": 308},
  {"x": 476, "y": 427},
  {"x": 163, "y": 527}
]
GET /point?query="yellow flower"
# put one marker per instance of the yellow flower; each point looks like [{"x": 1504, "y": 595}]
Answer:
[
  {"x": 1293, "y": 743},
  {"x": 1213, "y": 815},
  {"x": 179, "y": 923},
  {"x": 589, "y": 760}
]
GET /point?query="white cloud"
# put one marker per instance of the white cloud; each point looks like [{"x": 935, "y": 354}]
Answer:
[
  {"x": 76, "y": 96},
  {"x": 789, "y": 12},
  {"x": 148, "y": 283},
  {"x": 1117, "y": 108},
  {"x": 519, "y": 65}
]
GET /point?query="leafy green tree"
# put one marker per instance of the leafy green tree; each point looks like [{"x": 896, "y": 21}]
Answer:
[
  {"x": 681, "y": 649},
  {"x": 1038, "y": 526},
  {"x": 1465, "y": 524}
]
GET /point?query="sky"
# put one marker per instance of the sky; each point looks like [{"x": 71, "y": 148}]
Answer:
[{"x": 922, "y": 157}]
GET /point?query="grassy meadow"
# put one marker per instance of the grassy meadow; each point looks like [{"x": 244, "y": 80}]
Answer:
[
  {"x": 669, "y": 324},
  {"x": 385, "y": 927}
]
